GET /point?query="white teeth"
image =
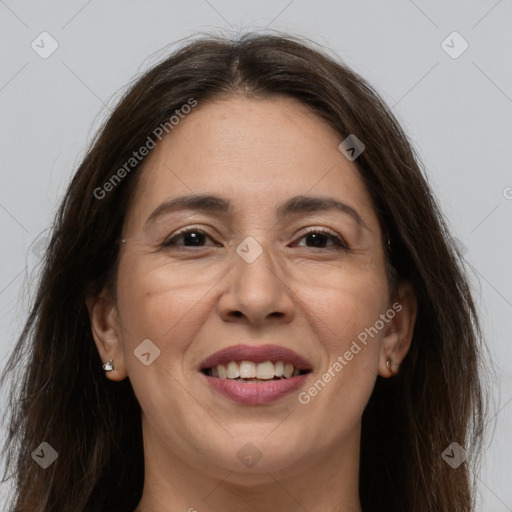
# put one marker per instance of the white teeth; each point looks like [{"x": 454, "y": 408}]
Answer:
[
  {"x": 233, "y": 370},
  {"x": 247, "y": 370},
  {"x": 223, "y": 373},
  {"x": 266, "y": 370}
]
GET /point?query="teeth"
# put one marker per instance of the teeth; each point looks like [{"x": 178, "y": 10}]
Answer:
[
  {"x": 250, "y": 370},
  {"x": 233, "y": 370},
  {"x": 288, "y": 370},
  {"x": 265, "y": 370},
  {"x": 223, "y": 373},
  {"x": 247, "y": 370}
]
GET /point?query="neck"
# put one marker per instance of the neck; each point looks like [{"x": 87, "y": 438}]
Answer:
[{"x": 329, "y": 483}]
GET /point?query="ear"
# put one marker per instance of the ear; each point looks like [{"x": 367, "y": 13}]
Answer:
[
  {"x": 106, "y": 333},
  {"x": 399, "y": 332}
]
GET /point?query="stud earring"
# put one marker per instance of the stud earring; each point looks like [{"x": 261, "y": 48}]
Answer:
[
  {"x": 108, "y": 366},
  {"x": 391, "y": 366}
]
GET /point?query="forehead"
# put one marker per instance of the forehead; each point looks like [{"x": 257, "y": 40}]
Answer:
[{"x": 256, "y": 152}]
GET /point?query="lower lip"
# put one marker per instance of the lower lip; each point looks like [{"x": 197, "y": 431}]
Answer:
[{"x": 254, "y": 393}]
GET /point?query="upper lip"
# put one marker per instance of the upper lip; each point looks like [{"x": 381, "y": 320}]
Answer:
[{"x": 256, "y": 354}]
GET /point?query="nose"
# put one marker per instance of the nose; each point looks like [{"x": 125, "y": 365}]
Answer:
[{"x": 256, "y": 293}]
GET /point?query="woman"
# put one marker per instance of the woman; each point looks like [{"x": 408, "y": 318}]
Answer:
[{"x": 250, "y": 301}]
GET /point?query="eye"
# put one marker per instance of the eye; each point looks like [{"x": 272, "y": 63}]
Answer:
[
  {"x": 191, "y": 237},
  {"x": 319, "y": 237}
]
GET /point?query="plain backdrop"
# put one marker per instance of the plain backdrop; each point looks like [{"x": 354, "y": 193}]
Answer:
[{"x": 455, "y": 103}]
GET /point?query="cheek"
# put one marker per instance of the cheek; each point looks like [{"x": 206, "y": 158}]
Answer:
[
  {"x": 347, "y": 305},
  {"x": 337, "y": 396},
  {"x": 345, "y": 316},
  {"x": 160, "y": 303}
]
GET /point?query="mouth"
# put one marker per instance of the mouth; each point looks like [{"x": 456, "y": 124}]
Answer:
[
  {"x": 255, "y": 374},
  {"x": 250, "y": 371}
]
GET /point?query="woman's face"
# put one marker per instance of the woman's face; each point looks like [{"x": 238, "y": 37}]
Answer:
[{"x": 254, "y": 270}]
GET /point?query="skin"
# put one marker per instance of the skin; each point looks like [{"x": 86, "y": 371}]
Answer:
[{"x": 192, "y": 301}]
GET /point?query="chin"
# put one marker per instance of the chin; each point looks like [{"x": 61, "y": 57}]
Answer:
[{"x": 258, "y": 463}]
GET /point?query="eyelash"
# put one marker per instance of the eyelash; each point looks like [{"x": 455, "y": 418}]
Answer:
[{"x": 339, "y": 243}]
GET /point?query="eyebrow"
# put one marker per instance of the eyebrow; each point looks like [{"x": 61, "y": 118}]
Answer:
[{"x": 293, "y": 206}]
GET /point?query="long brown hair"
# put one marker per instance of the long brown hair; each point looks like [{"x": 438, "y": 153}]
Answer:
[{"x": 60, "y": 394}]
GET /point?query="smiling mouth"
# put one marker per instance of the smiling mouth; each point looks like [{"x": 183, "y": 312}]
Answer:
[{"x": 252, "y": 372}]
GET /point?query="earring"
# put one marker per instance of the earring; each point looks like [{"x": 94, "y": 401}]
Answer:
[
  {"x": 391, "y": 366},
  {"x": 108, "y": 367}
]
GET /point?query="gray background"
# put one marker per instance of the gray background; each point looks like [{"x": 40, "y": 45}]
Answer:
[{"x": 456, "y": 110}]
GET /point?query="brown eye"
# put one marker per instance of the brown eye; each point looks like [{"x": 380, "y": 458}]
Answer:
[
  {"x": 317, "y": 238},
  {"x": 190, "y": 238}
]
